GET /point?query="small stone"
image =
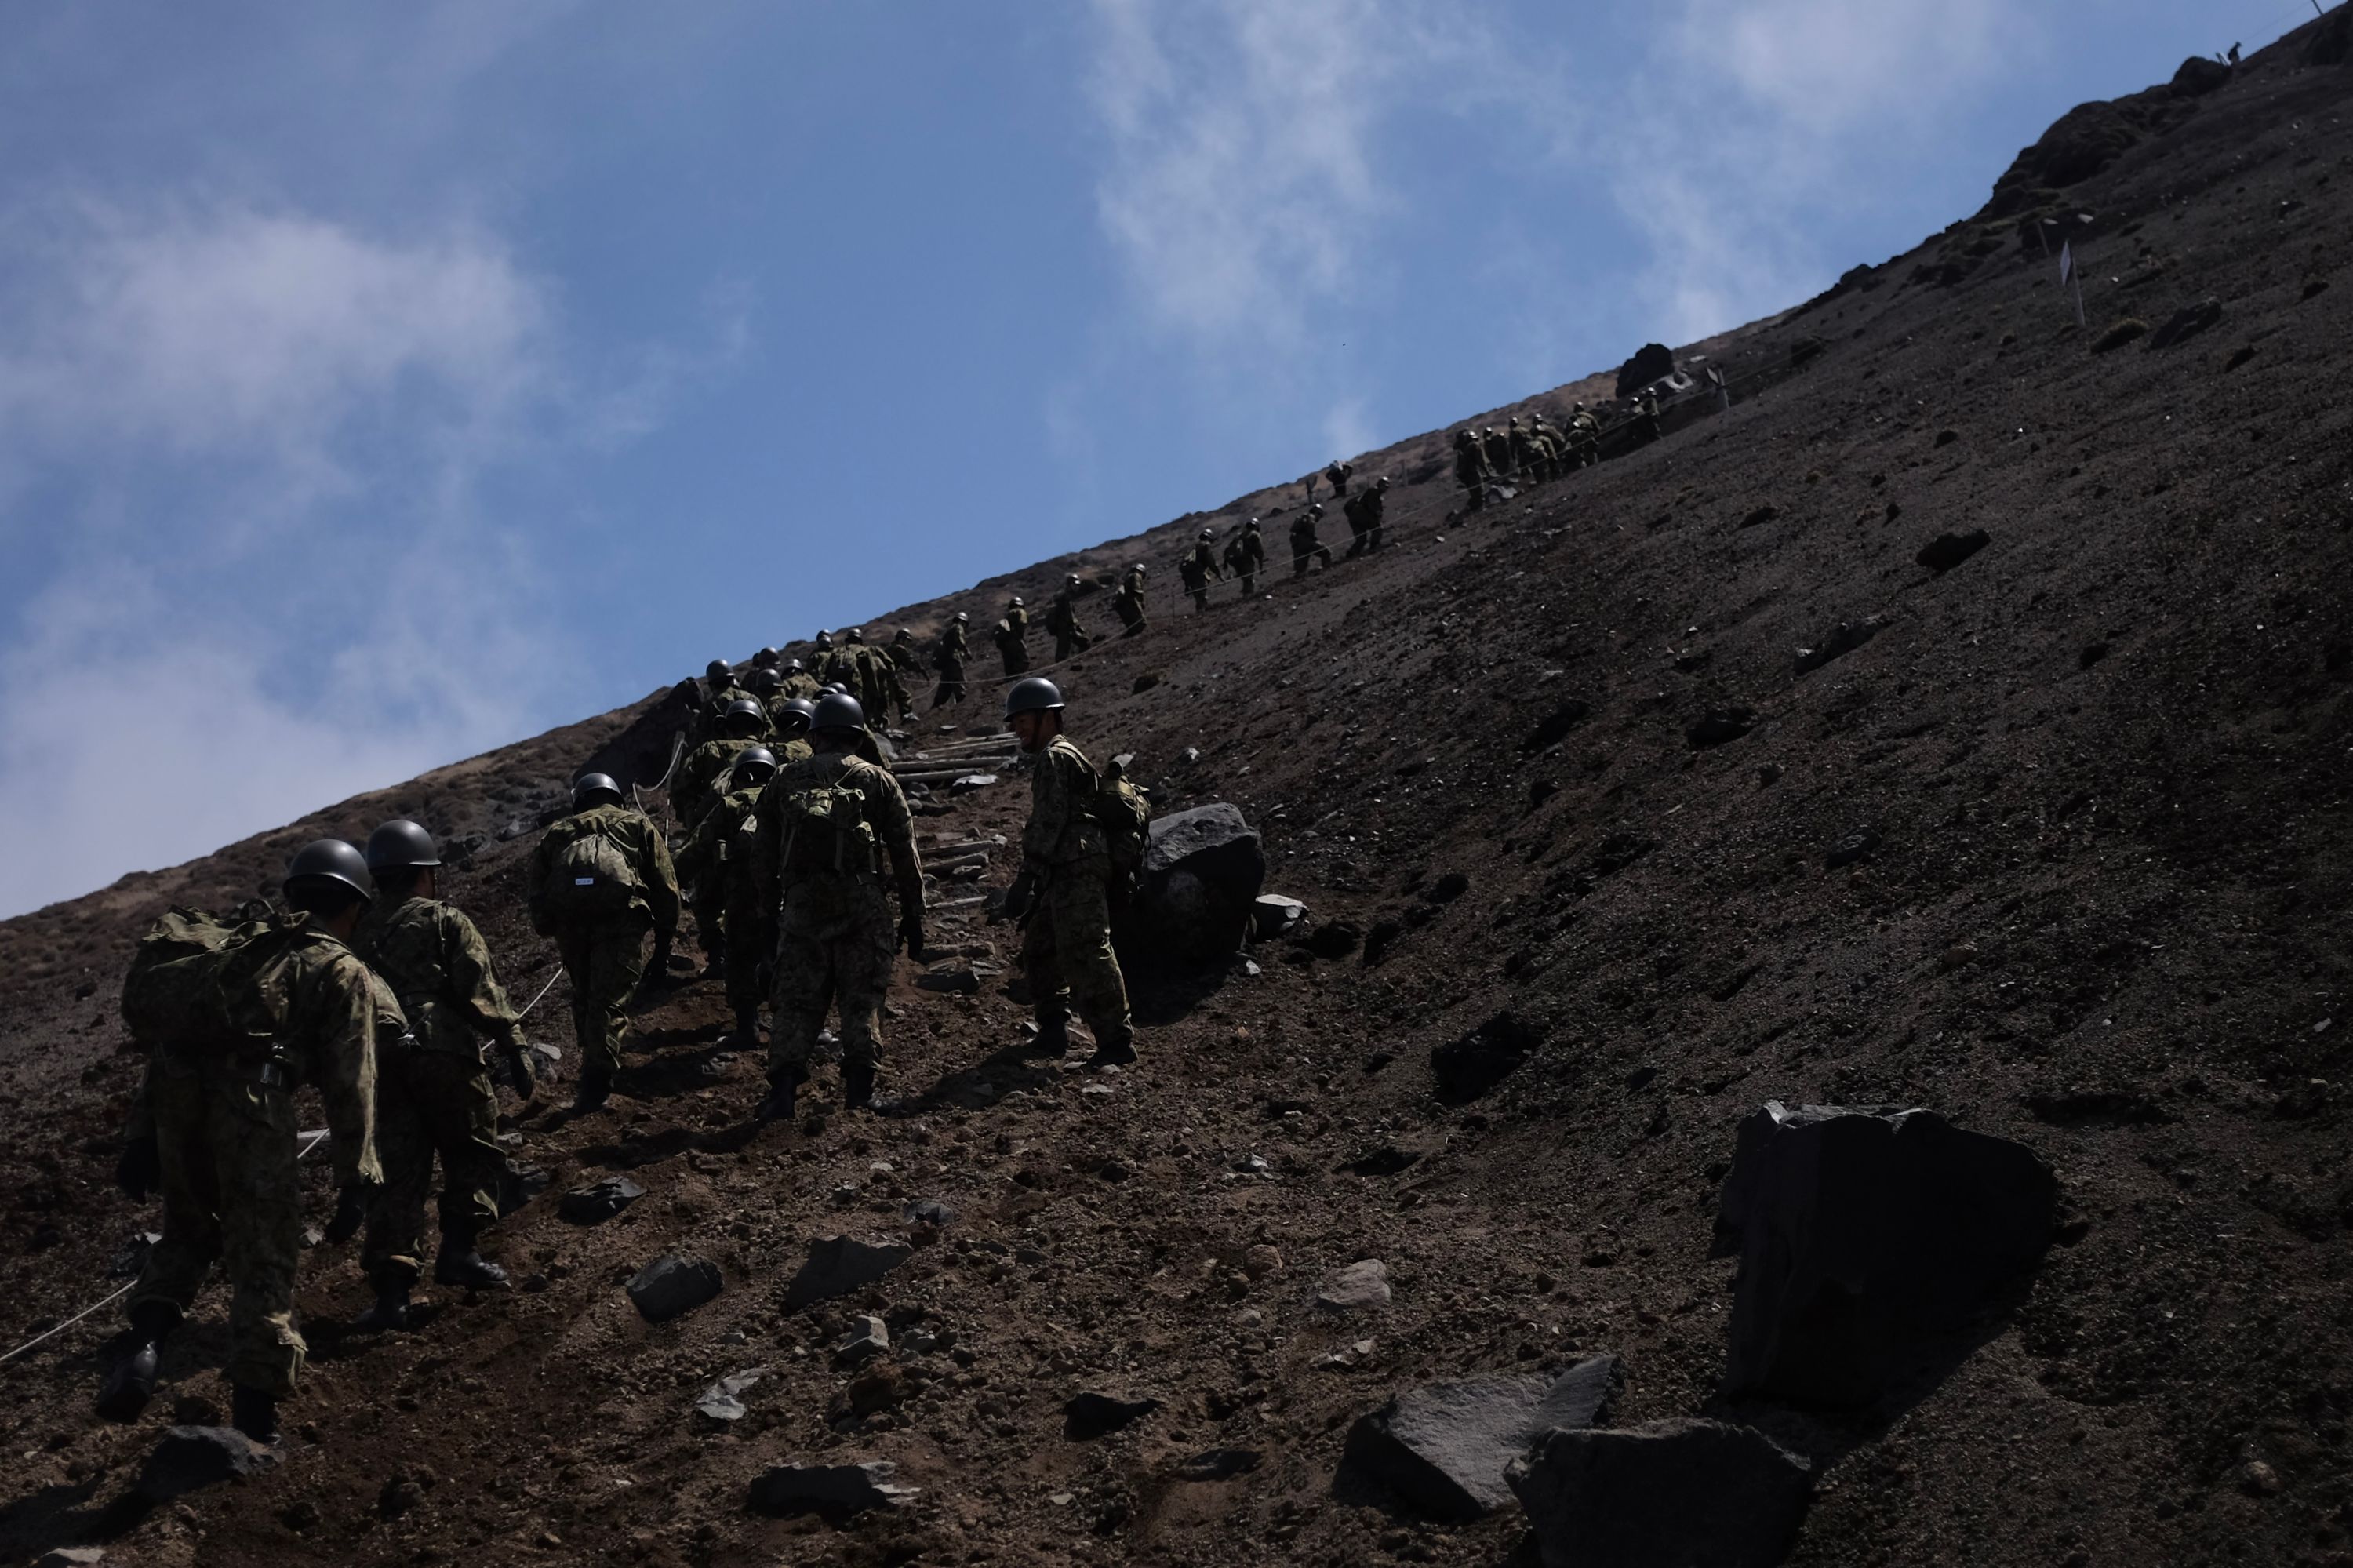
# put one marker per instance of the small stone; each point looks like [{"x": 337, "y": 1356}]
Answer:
[
  {"x": 1261, "y": 1260},
  {"x": 1220, "y": 1464},
  {"x": 970, "y": 782},
  {"x": 1347, "y": 1358},
  {"x": 88, "y": 1556},
  {"x": 599, "y": 1200},
  {"x": 723, "y": 1400},
  {"x": 671, "y": 1286},
  {"x": 1092, "y": 1415},
  {"x": 930, "y": 1212},
  {"x": 1272, "y": 914},
  {"x": 1945, "y": 551},
  {"x": 835, "y": 1491},
  {"x": 1358, "y": 1288},
  {"x": 867, "y": 1338},
  {"x": 2259, "y": 1480},
  {"x": 840, "y": 1265},
  {"x": 1849, "y": 851}
]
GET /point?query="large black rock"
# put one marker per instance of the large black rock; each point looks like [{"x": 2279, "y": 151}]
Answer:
[
  {"x": 599, "y": 1200},
  {"x": 192, "y": 1457},
  {"x": 840, "y": 1265},
  {"x": 1444, "y": 1447},
  {"x": 1203, "y": 870},
  {"x": 1859, "y": 1231},
  {"x": 1651, "y": 362},
  {"x": 836, "y": 1491},
  {"x": 671, "y": 1286},
  {"x": 1681, "y": 1492}
]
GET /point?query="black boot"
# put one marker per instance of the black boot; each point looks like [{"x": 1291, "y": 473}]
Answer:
[
  {"x": 254, "y": 1412},
  {"x": 1053, "y": 1038},
  {"x": 595, "y": 1086},
  {"x": 389, "y": 1314},
  {"x": 857, "y": 1084},
  {"x": 1113, "y": 1048},
  {"x": 747, "y": 1027},
  {"x": 460, "y": 1264},
  {"x": 783, "y": 1089},
  {"x": 132, "y": 1384}
]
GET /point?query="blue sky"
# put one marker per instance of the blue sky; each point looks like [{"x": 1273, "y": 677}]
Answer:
[{"x": 383, "y": 382}]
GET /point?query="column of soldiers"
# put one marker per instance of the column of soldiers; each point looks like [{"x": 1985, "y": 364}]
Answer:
[{"x": 1536, "y": 452}]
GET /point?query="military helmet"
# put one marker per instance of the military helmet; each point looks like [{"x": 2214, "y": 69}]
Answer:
[
  {"x": 1070, "y": 581},
  {"x": 1208, "y": 533},
  {"x": 835, "y": 689},
  {"x": 824, "y": 638},
  {"x": 764, "y": 679},
  {"x": 1382, "y": 482},
  {"x": 1036, "y": 694},
  {"x": 903, "y": 635},
  {"x": 838, "y": 710},
  {"x": 1515, "y": 420},
  {"x": 794, "y": 716},
  {"x": 1140, "y": 569},
  {"x": 795, "y": 667},
  {"x": 325, "y": 861},
  {"x": 1252, "y": 525},
  {"x": 1014, "y": 603},
  {"x": 588, "y": 787},
  {"x": 755, "y": 765},
  {"x": 855, "y": 635},
  {"x": 719, "y": 670},
  {"x": 962, "y": 617},
  {"x": 745, "y": 707},
  {"x": 765, "y": 657},
  {"x": 401, "y": 845},
  {"x": 1316, "y": 509}
]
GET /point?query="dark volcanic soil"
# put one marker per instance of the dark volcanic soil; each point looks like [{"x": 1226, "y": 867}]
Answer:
[{"x": 2105, "y": 762}]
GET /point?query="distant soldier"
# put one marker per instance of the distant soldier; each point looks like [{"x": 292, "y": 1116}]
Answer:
[
  {"x": 1548, "y": 446},
  {"x": 720, "y": 688},
  {"x": 1236, "y": 561},
  {"x": 877, "y": 688},
  {"x": 1010, "y": 648},
  {"x": 1646, "y": 415},
  {"x": 1018, "y": 618},
  {"x": 433, "y": 1093},
  {"x": 1128, "y": 604},
  {"x": 1338, "y": 475},
  {"x": 746, "y": 723},
  {"x": 833, "y": 842},
  {"x": 1063, "y": 892},
  {"x": 825, "y": 660},
  {"x": 1523, "y": 451},
  {"x": 1585, "y": 438},
  {"x": 719, "y": 862},
  {"x": 1201, "y": 568},
  {"x": 948, "y": 659},
  {"x": 796, "y": 681},
  {"x": 903, "y": 653},
  {"x": 1498, "y": 446},
  {"x": 215, "y": 1129},
  {"x": 1370, "y": 505},
  {"x": 1470, "y": 468},
  {"x": 1063, "y": 621},
  {"x": 1308, "y": 486},
  {"x": 600, "y": 883},
  {"x": 708, "y": 894},
  {"x": 1304, "y": 544}
]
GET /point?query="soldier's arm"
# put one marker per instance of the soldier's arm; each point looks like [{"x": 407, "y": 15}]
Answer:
[
  {"x": 662, "y": 880},
  {"x": 344, "y": 1009},
  {"x": 894, "y": 824},
  {"x": 466, "y": 961},
  {"x": 1050, "y": 810}
]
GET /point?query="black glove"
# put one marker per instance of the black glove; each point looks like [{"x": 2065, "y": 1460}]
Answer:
[
  {"x": 140, "y": 1169},
  {"x": 911, "y": 933},
  {"x": 351, "y": 1211},
  {"x": 516, "y": 1068},
  {"x": 1018, "y": 897}
]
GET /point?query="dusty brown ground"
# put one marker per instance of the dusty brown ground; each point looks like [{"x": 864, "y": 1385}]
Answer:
[{"x": 2106, "y": 761}]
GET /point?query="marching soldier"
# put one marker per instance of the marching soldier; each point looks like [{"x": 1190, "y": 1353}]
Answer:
[
  {"x": 746, "y": 723},
  {"x": 1470, "y": 468},
  {"x": 720, "y": 861},
  {"x": 948, "y": 660},
  {"x": 1304, "y": 544},
  {"x": 1063, "y": 621},
  {"x": 1130, "y": 602},
  {"x": 1011, "y": 648},
  {"x": 1338, "y": 475},
  {"x": 1202, "y": 565}
]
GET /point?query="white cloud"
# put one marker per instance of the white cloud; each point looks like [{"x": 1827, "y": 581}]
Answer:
[
  {"x": 1346, "y": 430},
  {"x": 1826, "y": 65}
]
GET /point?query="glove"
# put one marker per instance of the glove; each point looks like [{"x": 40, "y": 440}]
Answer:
[
  {"x": 140, "y": 1169},
  {"x": 514, "y": 1058},
  {"x": 1019, "y": 897},
  {"x": 911, "y": 933},
  {"x": 351, "y": 1211}
]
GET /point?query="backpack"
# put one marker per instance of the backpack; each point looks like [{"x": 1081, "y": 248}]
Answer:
[
  {"x": 199, "y": 981},
  {"x": 1119, "y": 808},
  {"x": 592, "y": 879},
  {"x": 825, "y": 826}
]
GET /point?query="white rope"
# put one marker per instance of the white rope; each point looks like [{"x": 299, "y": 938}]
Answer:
[{"x": 534, "y": 1002}]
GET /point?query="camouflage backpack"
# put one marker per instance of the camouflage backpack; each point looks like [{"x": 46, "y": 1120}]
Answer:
[
  {"x": 825, "y": 825},
  {"x": 203, "y": 983},
  {"x": 592, "y": 879},
  {"x": 1119, "y": 808}
]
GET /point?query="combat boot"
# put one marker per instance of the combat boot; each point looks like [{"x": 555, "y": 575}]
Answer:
[
  {"x": 1114, "y": 1048},
  {"x": 461, "y": 1264},
  {"x": 132, "y": 1384},
  {"x": 1053, "y": 1038},
  {"x": 595, "y": 1086},
  {"x": 856, "y": 1085},
  {"x": 748, "y": 1026},
  {"x": 782, "y": 1090},
  {"x": 254, "y": 1412},
  {"x": 389, "y": 1315}
]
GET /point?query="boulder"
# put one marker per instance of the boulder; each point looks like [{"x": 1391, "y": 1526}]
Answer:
[
  {"x": 1668, "y": 1491},
  {"x": 1196, "y": 901},
  {"x": 1358, "y": 1287},
  {"x": 599, "y": 1200},
  {"x": 836, "y": 1491},
  {"x": 840, "y": 1265},
  {"x": 192, "y": 1457},
  {"x": 2199, "y": 76},
  {"x": 1092, "y": 1415},
  {"x": 1858, "y": 1231},
  {"x": 1945, "y": 551},
  {"x": 1444, "y": 1447},
  {"x": 671, "y": 1286},
  {"x": 1651, "y": 362},
  {"x": 1469, "y": 1067}
]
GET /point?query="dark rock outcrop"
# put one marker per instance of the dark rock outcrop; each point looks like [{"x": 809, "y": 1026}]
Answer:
[
  {"x": 1668, "y": 1491},
  {"x": 840, "y": 1265},
  {"x": 834, "y": 1491},
  {"x": 192, "y": 1457},
  {"x": 1651, "y": 362},
  {"x": 672, "y": 1286},
  {"x": 1443, "y": 1448},
  {"x": 1203, "y": 870}
]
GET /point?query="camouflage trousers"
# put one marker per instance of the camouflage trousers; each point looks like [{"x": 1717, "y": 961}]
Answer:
[
  {"x": 603, "y": 964},
  {"x": 1066, "y": 954},
  {"x": 951, "y": 686},
  {"x": 751, "y": 945},
  {"x": 1304, "y": 551},
  {"x": 835, "y": 943},
  {"x": 708, "y": 906},
  {"x": 1067, "y": 644},
  {"x": 231, "y": 1193},
  {"x": 429, "y": 1103}
]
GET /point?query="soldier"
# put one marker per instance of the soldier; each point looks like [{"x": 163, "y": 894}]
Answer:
[
  {"x": 727, "y": 894},
  {"x": 948, "y": 660},
  {"x": 1304, "y": 544},
  {"x": 825, "y": 660},
  {"x": 1646, "y": 415},
  {"x": 1236, "y": 560},
  {"x": 1369, "y": 508},
  {"x": 720, "y": 688},
  {"x": 433, "y": 1095},
  {"x": 216, "y": 1130},
  {"x": 1353, "y": 511},
  {"x": 797, "y": 681},
  {"x": 873, "y": 677},
  {"x": 1585, "y": 436},
  {"x": 1523, "y": 451},
  {"x": 746, "y": 723},
  {"x": 1203, "y": 565},
  {"x": 903, "y": 653},
  {"x": 1130, "y": 602},
  {"x": 1253, "y": 555},
  {"x": 1338, "y": 474},
  {"x": 1547, "y": 443},
  {"x": 1062, "y": 894},
  {"x": 1018, "y": 618},
  {"x": 1470, "y": 468},
  {"x": 1308, "y": 499},
  {"x": 832, "y": 840},
  {"x": 1063, "y": 621},
  {"x": 1498, "y": 448},
  {"x": 709, "y": 902},
  {"x": 600, "y": 882}
]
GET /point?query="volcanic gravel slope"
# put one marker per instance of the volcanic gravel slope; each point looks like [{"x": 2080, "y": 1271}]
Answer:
[{"x": 2103, "y": 763}]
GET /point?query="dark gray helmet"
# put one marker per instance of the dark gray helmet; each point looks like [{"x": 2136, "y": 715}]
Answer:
[
  {"x": 1014, "y": 603},
  {"x": 765, "y": 657},
  {"x": 1208, "y": 533},
  {"x": 1382, "y": 482},
  {"x": 594, "y": 789},
  {"x": 754, "y": 765},
  {"x": 1036, "y": 694},
  {"x": 794, "y": 717},
  {"x": 838, "y": 710},
  {"x": 962, "y": 617},
  {"x": 764, "y": 679},
  {"x": 1070, "y": 581},
  {"x": 903, "y": 635},
  {"x": 329, "y": 860},
  {"x": 1252, "y": 525},
  {"x": 825, "y": 639},
  {"x": 834, "y": 689},
  {"x": 855, "y": 635},
  {"x": 718, "y": 670},
  {"x": 795, "y": 667},
  {"x": 744, "y": 708},
  {"x": 401, "y": 845}
]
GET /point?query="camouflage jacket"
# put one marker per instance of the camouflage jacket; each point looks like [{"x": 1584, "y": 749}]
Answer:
[
  {"x": 1063, "y": 617},
  {"x": 904, "y": 656},
  {"x": 1131, "y": 588},
  {"x": 1253, "y": 546},
  {"x": 437, "y": 963},
  {"x": 1205, "y": 561},
  {"x": 952, "y": 648},
  {"x": 822, "y": 894},
  {"x": 1062, "y": 833},
  {"x": 637, "y": 839},
  {"x": 698, "y": 776},
  {"x": 1018, "y": 619},
  {"x": 719, "y": 856}
]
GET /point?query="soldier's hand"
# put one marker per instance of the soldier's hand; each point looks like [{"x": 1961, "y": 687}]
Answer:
[
  {"x": 911, "y": 933},
  {"x": 514, "y": 1059},
  {"x": 140, "y": 1169},
  {"x": 351, "y": 1211}
]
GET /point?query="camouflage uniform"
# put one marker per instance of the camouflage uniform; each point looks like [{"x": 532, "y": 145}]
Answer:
[
  {"x": 1130, "y": 602},
  {"x": 836, "y": 926},
  {"x": 699, "y": 777},
  {"x": 433, "y": 1096},
  {"x": 1470, "y": 468},
  {"x": 1304, "y": 543},
  {"x": 1237, "y": 562},
  {"x": 948, "y": 660},
  {"x": 705, "y": 722},
  {"x": 799, "y": 684},
  {"x": 901, "y": 653},
  {"x": 1066, "y": 946},
  {"x": 1646, "y": 415},
  {"x": 1338, "y": 474},
  {"x": 727, "y": 895},
  {"x": 1018, "y": 619},
  {"x": 1253, "y": 549},
  {"x": 877, "y": 687},
  {"x": 225, "y": 1131},
  {"x": 1010, "y": 648},
  {"x": 604, "y": 960},
  {"x": 1203, "y": 562},
  {"x": 1063, "y": 621},
  {"x": 1498, "y": 446}
]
